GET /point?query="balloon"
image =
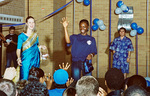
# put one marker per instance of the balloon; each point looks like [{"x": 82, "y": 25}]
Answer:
[
  {"x": 123, "y": 7},
  {"x": 86, "y": 2},
  {"x": 94, "y": 27},
  {"x": 95, "y": 20},
  {"x": 79, "y": 1},
  {"x": 148, "y": 81},
  {"x": 140, "y": 30},
  {"x": 118, "y": 10},
  {"x": 133, "y": 32},
  {"x": 126, "y": 9},
  {"x": 100, "y": 23},
  {"x": 134, "y": 26},
  {"x": 103, "y": 27},
  {"x": 119, "y": 3}
]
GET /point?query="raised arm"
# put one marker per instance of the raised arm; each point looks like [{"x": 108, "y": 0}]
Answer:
[{"x": 65, "y": 24}]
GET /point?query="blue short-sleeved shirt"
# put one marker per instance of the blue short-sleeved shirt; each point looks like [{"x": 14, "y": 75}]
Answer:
[
  {"x": 121, "y": 48},
  {"x": 56, "y": 92},
  {"x": 82, "y": 46}
]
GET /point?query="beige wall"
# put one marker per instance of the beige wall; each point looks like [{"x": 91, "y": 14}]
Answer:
[{"x": 51, "y": 34}]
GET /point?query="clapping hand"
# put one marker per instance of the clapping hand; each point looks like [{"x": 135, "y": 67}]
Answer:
[
  {"x": 10, "y": 73},
  {"x": 49, "y": 80},
  {"x": 69, "y": 82},
  {"x": 102, "y": 92}
]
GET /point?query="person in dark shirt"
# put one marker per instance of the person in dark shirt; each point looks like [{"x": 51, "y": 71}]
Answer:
[
  {"x": 83, "y": 47},
  {"x": 11, "y": 47}
]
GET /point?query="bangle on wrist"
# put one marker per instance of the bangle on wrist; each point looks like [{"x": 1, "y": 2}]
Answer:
[{"x": 18, "y": 59}]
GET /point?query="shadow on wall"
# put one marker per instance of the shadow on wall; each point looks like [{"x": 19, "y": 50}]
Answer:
[{"x": 58, "y": 56}]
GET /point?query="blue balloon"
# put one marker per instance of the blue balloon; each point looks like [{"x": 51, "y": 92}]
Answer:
[
  {"x": 119, "y": 3},
  {"x": 86, "y": 2},
  {"x": 95, "y": 20},
  {"x": 95, "y": 27},
  {"x": 140, "y": 30},
  {"x": 126, "y": 9},
  {"x": 134, "y": 26},
  {"x": 133, "y": 32},
  {"x": 148, "y": 83}
]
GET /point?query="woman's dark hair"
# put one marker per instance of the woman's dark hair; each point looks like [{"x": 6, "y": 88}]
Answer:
[
  {"x": 84, "y": 20},
  {"x": 35, "y": 74},
  {"x": 26, "y": 27},
  {"x": 29, "y": 18}
]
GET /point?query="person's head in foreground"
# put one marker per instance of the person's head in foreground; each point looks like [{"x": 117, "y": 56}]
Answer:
[{"x": 87, "y": 86}]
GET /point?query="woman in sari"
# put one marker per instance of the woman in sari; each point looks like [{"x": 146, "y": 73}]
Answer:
[{"x": 28, "y": 52}]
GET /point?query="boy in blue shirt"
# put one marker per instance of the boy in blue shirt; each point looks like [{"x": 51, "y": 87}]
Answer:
[{"x": 83, "y": 47}]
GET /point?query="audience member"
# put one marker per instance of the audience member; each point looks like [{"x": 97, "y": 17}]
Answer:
[
  {"x": 34, "y": 88},
  {"x": 36, "y": 74},
  {"x": 8, "y": 87},
  {"x": 135, "y": 90},
  {"x": 60, "y": 77},
  {"x": 70, "y": 91},
  {"x": 114, "y": 80},
  {"x": 87, "y": 86},
  {"x": 137, "y": 80}
]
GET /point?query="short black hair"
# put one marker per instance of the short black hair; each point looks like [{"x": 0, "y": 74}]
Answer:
[
  {"x": 114, "y": 79},
  {"x": 135, "y": 91},
  {"x": 123, "y": 29},
  {"x": 137, "y": 80},
  {"x": 11, "y": 27},
  {"x": 35, "y": 74},
  {"x": 34, "y": 88},
  {"x": 70, "y": 91},
  {"x": 84, "y": 20},
  {"x": 2, "y": 93}
]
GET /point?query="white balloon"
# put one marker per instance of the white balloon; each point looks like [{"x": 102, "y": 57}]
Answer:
[
  {"x": 100, "y": 22},
  {"x": 133, "y": 32},
  {"x": 79, "y": 1},
  {"x": 102, "y": 27},
  {"x": 124, "y": 7},
  {"x": 118, "y": 10}
]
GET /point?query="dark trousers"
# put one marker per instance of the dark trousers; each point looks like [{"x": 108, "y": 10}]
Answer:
[
  {"x": 76, "y": 68},
  {"x": 11, "y": 56}
]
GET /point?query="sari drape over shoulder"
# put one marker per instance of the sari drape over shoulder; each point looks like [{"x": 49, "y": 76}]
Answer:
[{"x": 30, "y": 55}]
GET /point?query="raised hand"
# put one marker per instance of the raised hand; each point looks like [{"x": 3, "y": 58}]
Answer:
[
  {"x": 69, "y": 82},
  {"x": 49, "y": 81},
  {"x": 64, "y": 67},
  {"x": 64, "y": 22},
  {"x": 10, "y": 73},
  {"x": 102, "y": 92}
]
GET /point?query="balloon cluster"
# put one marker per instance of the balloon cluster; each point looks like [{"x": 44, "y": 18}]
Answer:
[
  {"x": 121, "y": 7},
  {"x": 136, "y": 29},
  {"x": 98, "y": 24},
  {"x": 86, "y": 2}
]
